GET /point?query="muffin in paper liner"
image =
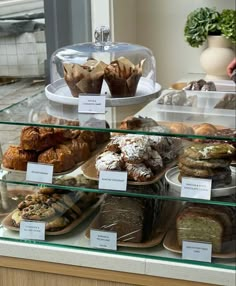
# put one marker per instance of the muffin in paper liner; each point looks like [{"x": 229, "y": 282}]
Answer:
[
  {"x": 86, "y": 78},
  {"x": 122, "y": 77}
]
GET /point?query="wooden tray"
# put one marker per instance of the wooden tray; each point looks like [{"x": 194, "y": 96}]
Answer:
[
  {"x": 170, "y": 243},
  {"x": 7, "y": 221},
  {"x": 168, "y": 214},
  {"x": 90, "y": 172},
  {"x": 15, "y": 197}
]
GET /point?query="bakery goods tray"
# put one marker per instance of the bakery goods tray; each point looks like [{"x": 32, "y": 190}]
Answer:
[
  {"x": 7, "y": 221},
  {"x": 221, "y": 85},
  {"x": 90, "y": 172},
  {"x": 59, "y": 92},
  {"x": 55, "y": 174},
  {"x": 228, "y": 248},
  {"x": 169, "y": 211},
  {"x": 172, "y": 178}
]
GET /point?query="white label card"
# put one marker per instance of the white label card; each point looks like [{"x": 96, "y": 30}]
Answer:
[
  {"x": 103, "y": 239},
  {"x": 34, "y": 230},
  {"x": 41, "y": 173},
  {"x": 196, "y": 188},
  {"x": 92, "y": 104},
  {"x": 113, "y": 180},
  {"x": 197, "y": 251}
]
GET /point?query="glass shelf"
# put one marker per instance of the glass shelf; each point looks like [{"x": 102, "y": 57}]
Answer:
[{"x": 39, "y": 111}]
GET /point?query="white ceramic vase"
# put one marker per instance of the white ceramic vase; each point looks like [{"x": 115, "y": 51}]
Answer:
[{"x": 216, "y": 57}]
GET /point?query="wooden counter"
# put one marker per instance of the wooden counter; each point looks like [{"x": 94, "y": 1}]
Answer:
[{"x": 22, "y": 272}]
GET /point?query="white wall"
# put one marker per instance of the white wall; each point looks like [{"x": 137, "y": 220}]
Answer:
[
  {"x": 159, "y": 25},
  {"x": 125, "y": 20}
]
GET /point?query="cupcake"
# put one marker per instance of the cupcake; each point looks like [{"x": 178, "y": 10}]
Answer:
[
  {"x": 86, "y": 78},
  {"x": 122, "y": 77}
]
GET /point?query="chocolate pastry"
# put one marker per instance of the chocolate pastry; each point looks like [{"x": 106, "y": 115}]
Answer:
[
  {"x": 85, "y": 78},
  {"x": 122, "y": 77}
]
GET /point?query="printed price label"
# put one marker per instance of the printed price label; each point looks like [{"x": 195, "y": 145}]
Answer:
[
  {"x": 113, "y": 180},
  {"x": 103, "y": 239},
  {"x": 41, "y": 173},
  {"x": 197, "y": 251},
  {"x": 34, "y": 230},
  {"x": 196, "y": 188},
  {"x": 92, "y": 104}
]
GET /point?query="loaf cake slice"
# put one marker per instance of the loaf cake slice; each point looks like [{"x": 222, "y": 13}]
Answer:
[{"x": 201, "y": 227}]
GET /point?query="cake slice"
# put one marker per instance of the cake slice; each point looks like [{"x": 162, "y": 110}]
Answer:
[{"x": 201, "y": 227}]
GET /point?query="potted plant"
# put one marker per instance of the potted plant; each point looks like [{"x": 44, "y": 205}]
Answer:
[{"x": 219, "y": 30}]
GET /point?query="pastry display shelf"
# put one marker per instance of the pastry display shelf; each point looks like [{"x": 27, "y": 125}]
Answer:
[{"x": 31, "y": 112}]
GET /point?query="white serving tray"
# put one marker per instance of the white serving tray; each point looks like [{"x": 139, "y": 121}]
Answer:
[
  {"x": 172, "y": 178},
  {"x": 58, "y": 91}
]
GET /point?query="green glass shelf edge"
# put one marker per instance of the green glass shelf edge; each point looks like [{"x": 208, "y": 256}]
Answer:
[
  {"x": 44, "y": 100},
  {"x": 160, "y": 196},
  {"x": 126, "y": 254}
]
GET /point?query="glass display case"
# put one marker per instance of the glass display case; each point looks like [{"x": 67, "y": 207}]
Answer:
[{"x": 178, "y": 173}]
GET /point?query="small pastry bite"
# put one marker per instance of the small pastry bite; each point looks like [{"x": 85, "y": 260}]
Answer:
[
  {"x": 57, "y": 223},
  {"x": 181, "y": 128},
  {"x": 175, "y": 97},
  {"x": 60, "y": 156},
  {"x": 134, "y": 149},
  {"x": 108, "y": 161},
  {"x": 16, "y": 158},
  {"x": 89, "y": 137},
  {"x": 37, "y": 138},
  {"x": 122, "y": 77},
  {"x": 209, "y": 86},
  {"x": 200, "y": 85},
  {"x": 227, "y": 102},
  {"x": 85, "y": 78},
  {"x": 135, "y": 123},
  {"x": 204, "y": 129},
  {"x": 79, "y": 148}
]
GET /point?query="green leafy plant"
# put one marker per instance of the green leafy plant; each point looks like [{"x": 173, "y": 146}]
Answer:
[
  {"x": 227, "y": 24},
  {"x": 208, "y": 21}
]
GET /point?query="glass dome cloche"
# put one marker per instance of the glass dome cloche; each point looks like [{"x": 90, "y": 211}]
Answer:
[{"x": 123, "y": 72}]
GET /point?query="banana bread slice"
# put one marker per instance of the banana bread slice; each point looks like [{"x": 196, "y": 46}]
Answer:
[{"x": 201, "y": 227}]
